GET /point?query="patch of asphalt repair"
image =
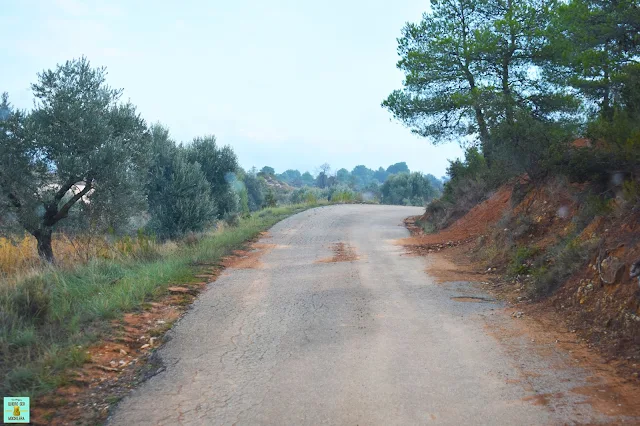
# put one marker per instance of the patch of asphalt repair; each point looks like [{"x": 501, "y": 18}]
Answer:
[{"x": 369, "y": 341}]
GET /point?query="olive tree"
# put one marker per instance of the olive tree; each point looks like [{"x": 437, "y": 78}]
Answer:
[
  {"x": 78, "y": 144},
  {"x": 217, "y": 163},
  {"x": 178, "y": 191}
]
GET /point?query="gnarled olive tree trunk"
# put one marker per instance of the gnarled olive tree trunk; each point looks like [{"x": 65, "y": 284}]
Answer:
[{"x": 45, "y": 249}]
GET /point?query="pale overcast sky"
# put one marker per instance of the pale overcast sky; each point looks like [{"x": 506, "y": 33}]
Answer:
[{"x": 286, "y": 83}]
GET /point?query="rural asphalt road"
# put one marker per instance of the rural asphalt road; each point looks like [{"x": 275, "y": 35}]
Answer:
[{"x": 294, "y": 338}]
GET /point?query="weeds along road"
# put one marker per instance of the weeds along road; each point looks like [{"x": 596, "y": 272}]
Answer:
[{"x": 317, "y": 333}]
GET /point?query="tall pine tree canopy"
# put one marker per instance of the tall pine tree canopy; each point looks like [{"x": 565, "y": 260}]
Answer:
[{"x": 471, "y": 65}]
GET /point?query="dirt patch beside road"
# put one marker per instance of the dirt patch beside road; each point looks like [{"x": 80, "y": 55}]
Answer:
[
  {"x": 469, "y": 227},
  {"x": 248, "y": 259}
]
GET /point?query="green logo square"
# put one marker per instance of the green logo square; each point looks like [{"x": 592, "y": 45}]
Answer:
[{"x": 16, "y": 409}]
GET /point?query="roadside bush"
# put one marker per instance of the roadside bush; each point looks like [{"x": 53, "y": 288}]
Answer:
[
  {"x": 308, "y": 195},
  {"x": 521, "y": 261},
  {"x": 343, "y": 194},
  {"x": 21, "y": 378},
  {"x": 30, "y": 299},
  {"x": 468, "y": 184},
  {"x": 557, "y": 265},
  {"x": 472, "y": 169},
  {"x": 232, "y": 219},
  {"x": 142, "y": 247},
  {"x": 631, "y": 191},
  {"x": 270, "y": 199},
  {"x": 427, "y": 227},
  {"x": 591, "y": 206},
  {"x": 460, "y": 197},
  {"x": 409, "y": 189},
  {"x": 186, "y": 202},
  {"x": 615, "y": 138},
  {"x": 191, "y": 239},
  {"x": 256, "y": 189},
  {"x": 528, "y": 145},
  {"x": 179, "y": 194},
  {"x": 218, "y": 164},
  {"x": 522, "y": 225}
]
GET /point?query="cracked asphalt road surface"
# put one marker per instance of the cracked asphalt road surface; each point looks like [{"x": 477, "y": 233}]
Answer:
[{"x": 299, "y": 340}]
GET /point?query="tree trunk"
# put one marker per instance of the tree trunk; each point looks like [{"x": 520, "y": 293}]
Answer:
[
  {"x": 45, "y": 250},
  {"x": 485, "y": 140},
  {"x": 506, "y": 92},
  {"x": 606, "y": 108}
]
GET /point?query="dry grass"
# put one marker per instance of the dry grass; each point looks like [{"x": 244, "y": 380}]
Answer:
[{"x": 19, "y": 255}]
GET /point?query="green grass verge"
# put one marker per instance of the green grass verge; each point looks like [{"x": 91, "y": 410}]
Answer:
[{"x": 47, "y": 319}]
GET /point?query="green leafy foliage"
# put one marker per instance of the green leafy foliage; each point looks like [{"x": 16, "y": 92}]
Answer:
[
  {"x": 307, "y": 179},
  {"x": 411, "y": 189},
  {"x": 292, "y": 177},
  {"x": 521, "y": 81},
  {"x": 467, "y": 68},
  {"x": 470, "y": 180},
  {"x": 269, "y": 171},
  {"x": 309, "y": 195},
  {"x": 256, "y": 190},
  {"x": 591, "y": 43},
  {"x": 79, "y": 141},
  {"x": 270, "y": 199},
  {"x": 186, "y": 201},
  {"x": 397, "y": 168},
  {"x": 179, "y": 194},
  {"x": 343, "y": 194},
  {"x": 218, "y": 166},
  {"x": 522, "y": 261}
]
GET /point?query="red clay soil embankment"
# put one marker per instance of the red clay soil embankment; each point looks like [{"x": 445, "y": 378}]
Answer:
[
  {"x": 472, "y": 225},
  {"x": 597, "y": 297}
]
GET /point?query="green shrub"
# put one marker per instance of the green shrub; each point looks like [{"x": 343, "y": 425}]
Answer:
[
  {"x": 343, "y": 194},
  {"x": 31, "y": 299},
  {"x": 310, "y": 198},
  {"x": 180, "y": 200},
  {"x": 21, "y": 379},
  {"x": 558, "y": 265},
  {"x": 527, "y": 145},
  {"x": 270, "y": 199},
  {"x": 413, "y": 189},
  {"x": 308, "y": 195},
  {"x": 232, "y": 219},
  {"x": 23, "y": 337},
  {"x": 427, "y": 227},
  {"x": 522, "y": 261},
  {"x": 591, "y": 207},
  {"x": 631, "y": 191}
]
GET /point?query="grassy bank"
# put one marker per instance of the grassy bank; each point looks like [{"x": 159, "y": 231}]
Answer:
[{"x": 49, "y": 317}]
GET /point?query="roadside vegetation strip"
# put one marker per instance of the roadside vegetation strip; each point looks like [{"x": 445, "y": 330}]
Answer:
[{"x": 47, "y": 319}]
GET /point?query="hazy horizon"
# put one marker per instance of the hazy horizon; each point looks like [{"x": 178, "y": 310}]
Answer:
[{"x": 287, "y": 85}]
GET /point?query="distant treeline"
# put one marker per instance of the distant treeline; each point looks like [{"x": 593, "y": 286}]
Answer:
[{"x": 394, "y": 185}]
